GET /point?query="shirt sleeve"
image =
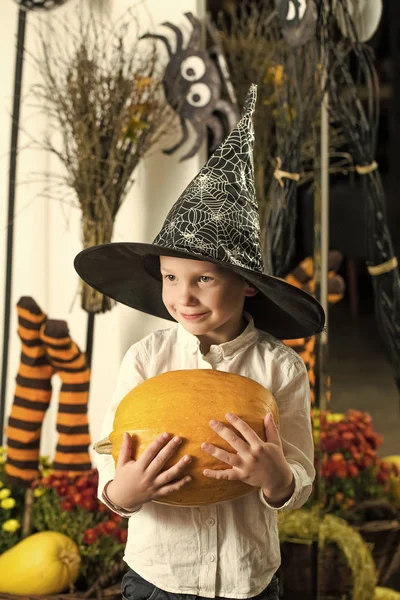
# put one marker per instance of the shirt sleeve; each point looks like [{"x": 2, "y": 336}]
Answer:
[
  {"x": 293, "y": 399},
  {"x": 130, "y": 374}
]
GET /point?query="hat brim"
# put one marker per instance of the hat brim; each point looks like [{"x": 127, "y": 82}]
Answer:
[{"x": 129, "y": 273}]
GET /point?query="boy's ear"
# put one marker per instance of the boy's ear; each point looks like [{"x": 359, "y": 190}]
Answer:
[{"x": 250, "y": 290}]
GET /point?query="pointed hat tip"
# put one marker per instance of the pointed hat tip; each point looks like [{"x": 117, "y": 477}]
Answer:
[{"x": 250, "y": 102}]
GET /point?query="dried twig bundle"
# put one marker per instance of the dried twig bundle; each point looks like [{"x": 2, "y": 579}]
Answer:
[
  {"x": 250, "y": 36},
  {"x": 102, "y": 89},
  {"x": 289, "y": 92},
  {"x": 359, "y": 123},
  {"x": 297, "y": 100}
]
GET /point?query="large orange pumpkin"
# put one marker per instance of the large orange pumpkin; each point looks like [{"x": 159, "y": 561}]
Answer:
[{"x": 183, "y": 403}]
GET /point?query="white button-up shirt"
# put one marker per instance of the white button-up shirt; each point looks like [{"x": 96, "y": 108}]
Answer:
[{"x": 230, "y": 549}]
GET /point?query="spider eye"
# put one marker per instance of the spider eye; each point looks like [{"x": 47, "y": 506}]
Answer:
[
  {"x": 296, "y": 8},
  {"x": 199, "y": 95},
  {"x": 193, "y": 68}
]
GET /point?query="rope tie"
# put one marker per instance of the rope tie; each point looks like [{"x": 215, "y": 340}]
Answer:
[
  {"x": 365, "y": 169},
  {"x": 384, "y": 267}
]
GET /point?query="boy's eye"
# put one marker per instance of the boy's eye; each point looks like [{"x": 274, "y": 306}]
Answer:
[
  {"x": 169, "y": 277},
  {"x": 205, "y": 278}
]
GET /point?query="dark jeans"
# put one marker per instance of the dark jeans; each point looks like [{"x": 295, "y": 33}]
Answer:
[{"x": 134, "y": 587}]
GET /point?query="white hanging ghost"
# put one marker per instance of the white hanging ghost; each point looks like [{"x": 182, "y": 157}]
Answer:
[{"x": 365, "y": 16}]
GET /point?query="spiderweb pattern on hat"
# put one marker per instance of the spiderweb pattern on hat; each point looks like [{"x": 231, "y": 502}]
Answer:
[{"x": 217, "y": 214}]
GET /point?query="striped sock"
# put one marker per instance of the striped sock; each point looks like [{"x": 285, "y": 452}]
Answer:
[
  {"x": 72, "y": 420},
  {"x": 303, "y": 277},
  {"x": 31, "y": 399},
  {"x": 305, "y": 348}
]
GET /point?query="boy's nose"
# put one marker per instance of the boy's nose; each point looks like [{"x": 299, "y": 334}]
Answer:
[{"x": 186, "y": 296}]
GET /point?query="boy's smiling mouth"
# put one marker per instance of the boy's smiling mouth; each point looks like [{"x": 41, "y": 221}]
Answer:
[{"x": 193, "y": 316}]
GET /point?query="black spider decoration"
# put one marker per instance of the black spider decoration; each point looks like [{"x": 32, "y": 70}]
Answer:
[
  {"x": 40, "y": 4},
  {"x": 298, "y": 20},
  {"x": 193, "y": 88}
]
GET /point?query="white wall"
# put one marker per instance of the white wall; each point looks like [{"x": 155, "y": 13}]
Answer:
[{"x": 47, "y": 232}]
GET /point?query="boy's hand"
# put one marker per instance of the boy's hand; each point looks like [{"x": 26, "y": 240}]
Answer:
[
  {"x": 258, "y": 463},
  {"x": 139, "y": 481}
]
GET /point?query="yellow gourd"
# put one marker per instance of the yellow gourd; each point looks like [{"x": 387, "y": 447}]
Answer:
[
  {"x": 183, "y": 403},
  {"x": 394, "y": 459},
  {"x": 382, "y": 593},
  {"x": 43, "y": 563}
]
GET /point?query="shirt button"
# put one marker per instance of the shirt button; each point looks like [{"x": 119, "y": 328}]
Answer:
[
  {"x": 210, "y": 522},
  {"x": 211, "y": 557}
]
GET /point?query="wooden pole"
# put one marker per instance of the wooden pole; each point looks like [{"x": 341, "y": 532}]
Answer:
[
  {"x": 27, "y": 519},
  {"x": 321, "y": 250},
  {"x": 393, "y": 204},
  {"x": 19, "y": 63},
  {"x": 89, "y": 338}
]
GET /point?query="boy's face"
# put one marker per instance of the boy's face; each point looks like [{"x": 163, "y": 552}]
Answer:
[{"x": 206, "y": 299}]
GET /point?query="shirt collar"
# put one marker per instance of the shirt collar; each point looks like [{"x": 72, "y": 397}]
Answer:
[{"x": 226, "y": 349}]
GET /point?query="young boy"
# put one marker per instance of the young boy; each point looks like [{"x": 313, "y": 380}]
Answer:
[{"x": 204, "y": 271}]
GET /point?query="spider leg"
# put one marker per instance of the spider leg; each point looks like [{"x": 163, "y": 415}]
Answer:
[
  {"x": 156, "y": 36},
  {"x": 195, "y": 38},
  {"x": 217, "y": 130},
  {"x": 229, "y": 110},
  {"x": 178, "y": 33},
  {"x": 200, "y": 137},
  {"x": 184, "y": 138}
]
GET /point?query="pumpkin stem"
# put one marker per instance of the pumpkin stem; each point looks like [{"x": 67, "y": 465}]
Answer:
[{"x": 103, "y": 446}]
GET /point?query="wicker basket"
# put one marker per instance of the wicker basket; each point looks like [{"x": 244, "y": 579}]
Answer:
[
  {"x": 383, "y": 538},
  {"x": 298, "y": 582}
]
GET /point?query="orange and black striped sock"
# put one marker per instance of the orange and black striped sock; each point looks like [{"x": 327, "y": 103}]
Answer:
[
  {"x": 31, "y": 399},
  {"x": 72, "y": 453}
]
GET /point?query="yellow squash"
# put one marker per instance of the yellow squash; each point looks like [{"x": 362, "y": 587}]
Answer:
[
  {"x": 394, "y": 459},
  {"x": 382, "y": 593},
  {"x": 183, "y": 403},
  {"x": 43, "y": 563}
]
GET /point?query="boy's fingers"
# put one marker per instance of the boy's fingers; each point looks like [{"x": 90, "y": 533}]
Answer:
[
  {"x": 152, "y": 450},
  {"x": 125, "y": 452},
  {"x": 271, "y": 430}
]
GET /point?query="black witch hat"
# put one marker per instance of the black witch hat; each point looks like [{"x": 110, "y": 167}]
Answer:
[{"x": 215, "y": 219}]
